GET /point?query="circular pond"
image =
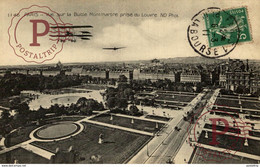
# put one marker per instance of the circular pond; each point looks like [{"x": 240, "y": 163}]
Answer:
[{"x": 57, "y": 130}]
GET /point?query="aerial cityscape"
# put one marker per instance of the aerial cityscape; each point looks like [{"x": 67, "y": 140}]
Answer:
[
  {"x": 189, "y": 110},
  {"x": 127, "y": 82}
]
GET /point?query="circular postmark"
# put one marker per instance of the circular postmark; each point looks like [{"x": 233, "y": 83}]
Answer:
[
  {"x": 31, "y": 34},
  {"x": 213, "y": 32},
  {"x": 217, "y": 134}
]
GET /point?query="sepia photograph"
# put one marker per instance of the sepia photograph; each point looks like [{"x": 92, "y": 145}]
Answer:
[{"x": 130, "y": 82}]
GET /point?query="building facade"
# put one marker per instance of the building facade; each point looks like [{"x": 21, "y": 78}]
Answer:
[{"x": 190, "y": 76}]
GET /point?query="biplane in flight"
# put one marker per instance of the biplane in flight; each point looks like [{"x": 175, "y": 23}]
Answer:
[
  {"x": 67, "y": 33},
  {"x": 114, "y": 48}
]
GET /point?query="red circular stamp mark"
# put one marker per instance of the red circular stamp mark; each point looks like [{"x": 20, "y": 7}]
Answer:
[
  {"x": 217, "y": 133},
  {"x": 37, "y": 33}
]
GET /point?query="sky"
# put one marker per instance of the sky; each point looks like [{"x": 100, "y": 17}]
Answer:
[{"x": 144, "y": 37}]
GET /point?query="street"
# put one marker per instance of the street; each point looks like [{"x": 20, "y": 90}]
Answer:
[{"x": 170, "y": 147}]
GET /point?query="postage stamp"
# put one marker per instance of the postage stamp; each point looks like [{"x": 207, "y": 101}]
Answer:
[
  {"x": 214, "y": 32},
  {"x": 222, "y": 27},
  {"x": 217, "y": 134},
  {"x": 36, "y": 45}
]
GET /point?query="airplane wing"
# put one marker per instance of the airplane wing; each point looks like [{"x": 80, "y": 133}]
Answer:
[
  {"x": 86, "y": 26},
  {"x": 85, "y": 32},
  {"x": 120, "y": 47},
  {"x": 82, "y": 35},
  {"x": 60, "y": 35},
  {"x": 109, "y": 48}
]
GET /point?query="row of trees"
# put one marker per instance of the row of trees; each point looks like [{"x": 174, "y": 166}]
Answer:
[
  {"x": 12, "y": 84},
  {"x": 240, "y": 90},
  {"x": 25, "y": 116},
  {"x": 97, "y": 80},
  {"x": 166, "y": 84}
]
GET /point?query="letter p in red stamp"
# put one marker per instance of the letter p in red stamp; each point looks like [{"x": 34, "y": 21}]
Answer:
[
  {"x": 30, "y": 34},
  {"x": 216, "y": 135}
]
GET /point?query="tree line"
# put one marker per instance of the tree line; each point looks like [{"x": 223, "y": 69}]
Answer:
[
  {"x": 25, "y": 116},
  {"x": 13, "y": 84}
]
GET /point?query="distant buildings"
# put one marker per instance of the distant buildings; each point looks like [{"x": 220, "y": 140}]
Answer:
[
  {"x": 190, "y": 76},
  {"x": 255, "y": 81},
  {"x": 154, "y": 75},
  {"x": 222, "y": 75},
  {"x": 230, "y": 75},
  {"x": 235, "y": 73}
]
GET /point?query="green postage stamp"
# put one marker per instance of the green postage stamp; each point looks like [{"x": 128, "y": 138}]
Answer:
[{"x": 227, "y": 27}]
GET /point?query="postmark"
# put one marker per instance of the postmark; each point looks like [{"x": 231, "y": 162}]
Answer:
[
  {"x": 217, "y": 134},
  {"x": 221, "y": 27},
  {"x": 214, "y": 25},
  {"x": 29, "y": 34}
]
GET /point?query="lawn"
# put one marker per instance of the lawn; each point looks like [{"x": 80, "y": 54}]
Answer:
[
  {"x": 169, "y": 103},
  {"x": 138, "y": 124},
  {"x": 65, "y": 118},
  {"x": 118, "y": 145},
  {"x": 226, "y": 114},
  {"x": 232, "y": 143},
  {"x": 255, "y": 118},
  {"x": 23, "y": 156},
  {"x": 254, "y": 133},
  {"x": 91, "y": 86},
  {"x": 171, "y": 106},
  {"x": 241, "y": 97},
  {"x": 221, "y": 158},
  {"x": 221, "y": 128},
  {"x": 235, "y": 103},
  {"x": 225, "y": 102},
  {"x": 156, "y": 117},
  {"x": 250, "y": 105},
  {"x": 180, "y": 98},
  {"x": 176, "y": 92},
  {"x": 22, "y": 135},
  {"x": 237, "y": 111},
  {"x": 19, "y": 136}
]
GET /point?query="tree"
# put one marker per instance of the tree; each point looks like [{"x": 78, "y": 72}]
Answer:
[
  {"x": 240, "y": 89},
  {"x": 199, "y": 87},
  {"x": 81, "y": 101},
  {"x": 5, "y": 115},
  {"x": 86, "y": 110},
  {"x": 160, "y": 84},
  {"x": 58, "y": 110},
  {"x": 23, "y": 108},
  {"x": 122, "y": 86},
  {"x": 121, "y": 103},
  {"x": 110, "y": 92},
  {"x": 122, "y": 78},
  {"x": 180, "y": 88},
  {"x": 111, "y": 102},
  {"x": 133, "y": 110},
  {"x": 128, "y": 92}
]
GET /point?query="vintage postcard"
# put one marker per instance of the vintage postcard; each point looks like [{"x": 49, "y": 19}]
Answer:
[{"x": 130, "y": 82}]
